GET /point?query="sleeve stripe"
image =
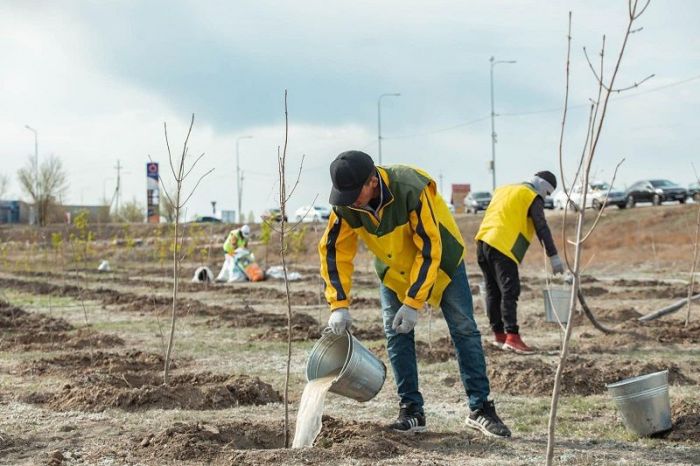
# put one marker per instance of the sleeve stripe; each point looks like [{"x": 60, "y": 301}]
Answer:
[
  {"x": 333, "y": 274},
  {"x": 426, "y": 253}
]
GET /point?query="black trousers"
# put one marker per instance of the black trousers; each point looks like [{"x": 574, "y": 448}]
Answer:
[{"x": 502, "y": 287}]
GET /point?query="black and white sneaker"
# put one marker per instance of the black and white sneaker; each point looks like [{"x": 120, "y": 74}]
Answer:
[
  {"x": 487, "y": 421},
  {"x": 409, "y": 420}
]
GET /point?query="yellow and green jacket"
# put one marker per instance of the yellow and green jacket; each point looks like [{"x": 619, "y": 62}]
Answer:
[
  {"x": 506, "y": 225},
  {"x": 234, "y": 240},
  {"x": 413, "y": 235}
]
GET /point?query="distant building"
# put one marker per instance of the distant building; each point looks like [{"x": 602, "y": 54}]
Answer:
[
  {"x": 228, "y": 216},
  {"x": 67, "y": 213},
  {"x": 15, "y": 212},
  {"x": 459, "y": 192}
]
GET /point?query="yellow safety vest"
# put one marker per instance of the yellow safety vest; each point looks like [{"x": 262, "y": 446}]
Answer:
[{"x": 506, "y": 225}]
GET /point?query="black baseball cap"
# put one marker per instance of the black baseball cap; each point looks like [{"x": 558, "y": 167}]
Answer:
[
  {"x": 349, "y": 171},
  {"x": 548, "y": 177}
]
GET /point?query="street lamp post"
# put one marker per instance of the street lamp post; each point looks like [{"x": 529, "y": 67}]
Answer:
[
  {"x": 494, "y": 62},
  {"x": 239, "y": 187},
  {"x": 379, "y": 121}
]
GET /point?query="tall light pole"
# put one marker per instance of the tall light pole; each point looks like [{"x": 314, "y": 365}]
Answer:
[
  {"x": 379, "y": 120},
  {"x": 494, "y": 62},
  {"x": 239, "y": 186},
  {"x": 36, "y": 169}
]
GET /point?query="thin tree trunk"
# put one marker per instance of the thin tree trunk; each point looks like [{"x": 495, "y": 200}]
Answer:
[{"x": 692, "y": 271}]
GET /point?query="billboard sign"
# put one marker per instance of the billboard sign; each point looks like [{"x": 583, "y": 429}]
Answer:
[{"x": 152, "y": 193}]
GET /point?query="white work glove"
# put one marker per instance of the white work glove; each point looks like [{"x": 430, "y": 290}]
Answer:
[
  {"x": 557, "y": 264},
  {"x": 340, "y": 320},
  {"x": 405, "y": 319}
]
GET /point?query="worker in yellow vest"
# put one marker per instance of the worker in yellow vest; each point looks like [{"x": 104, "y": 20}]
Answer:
[
  {"x": 237, "y": 238},
  {"x": 513, "y": 215}
]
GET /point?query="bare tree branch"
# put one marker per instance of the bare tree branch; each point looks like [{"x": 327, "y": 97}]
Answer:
[
  {"x": 635, "y": 85},
  {"x": 600, "y": 212},
  {"x": 566, "y": 106},
  {"x": 195, "y": 186},
  {"x": 296, "y": 183}
]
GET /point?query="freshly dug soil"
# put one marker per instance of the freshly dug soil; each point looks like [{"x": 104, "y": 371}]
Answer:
[
  {"x": 133, "y": 391},
  {"x": 533, "y": 376},
  {"x": 686, "y": 421},
  {"x": 26, "y": 331},
  {"x": 112, "y": 363}
]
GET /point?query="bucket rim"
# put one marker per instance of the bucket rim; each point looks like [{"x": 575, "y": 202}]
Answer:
[
  {"x": 636, "y": 378},
  {"x": 327, "y": 334}
]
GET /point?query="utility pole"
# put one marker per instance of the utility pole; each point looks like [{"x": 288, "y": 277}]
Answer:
[
  {"x": 494, "y": 62},
  {"x": 239, "y": 179},
  {"x": 379, "y": 122},
  {"x": 213, "y": 208},
  {"x": 118, "y": 188}
]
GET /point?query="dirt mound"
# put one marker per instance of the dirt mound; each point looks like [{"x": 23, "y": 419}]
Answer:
[
  {"x": 131, "y": 361},
  {"x": 203, "y": 442},
  {"x": 593, "y": 291},
  {"x": 16, "y": 320},
  {"x": 532, "y": 376},
  {"x": 247, "y": 316},
  {"x": 79, "y": 339},
  {"x": 304, "y": 327},
  {"x": 362, "y": 302},
  {"x": 442, "y": 350},
  {"x": 686, "y": 421},
  {"x": 133, "y": 391},
  {"x": 27, "y": 331},
  {"x": 638, "y": 283}
]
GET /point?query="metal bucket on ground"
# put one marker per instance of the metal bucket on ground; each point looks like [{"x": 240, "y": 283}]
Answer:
[
  {"x": 556, "y": 303},
  {"x": 360, "y": 373},
  {"x": 643, "y": 402}
]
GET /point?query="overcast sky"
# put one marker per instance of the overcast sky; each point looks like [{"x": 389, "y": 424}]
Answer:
[{"x": 98, "y": 79}]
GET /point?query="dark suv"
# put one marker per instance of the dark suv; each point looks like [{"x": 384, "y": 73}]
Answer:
[{"x": 655, "y": 191}]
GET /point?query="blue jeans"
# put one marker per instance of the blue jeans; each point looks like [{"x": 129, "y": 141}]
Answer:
[{"x": 458, "y": 310}]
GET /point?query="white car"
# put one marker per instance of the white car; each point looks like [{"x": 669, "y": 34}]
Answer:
[
  {"x": 595, "y": 196},
  {"x": 308, "y": 213}
]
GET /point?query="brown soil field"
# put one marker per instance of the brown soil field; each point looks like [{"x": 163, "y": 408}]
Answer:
[{"x": 82, "y": 353}]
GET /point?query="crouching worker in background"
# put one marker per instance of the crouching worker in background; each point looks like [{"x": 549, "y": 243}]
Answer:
[
  {"x": 419, "y": 258},
  {"x": 236, "y": 239}
]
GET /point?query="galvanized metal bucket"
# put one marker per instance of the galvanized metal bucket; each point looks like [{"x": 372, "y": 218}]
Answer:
[
  {"x": 360, "y": 373},
  {"x": 643, "y": 402},
  {"x": 556, "y": 303}
]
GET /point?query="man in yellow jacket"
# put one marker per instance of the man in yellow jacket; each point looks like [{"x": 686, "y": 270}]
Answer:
[
  {"x": 514, "y": 214},
  {"x": 419, "y": 258}
]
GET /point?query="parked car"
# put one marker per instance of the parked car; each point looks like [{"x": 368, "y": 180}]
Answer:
[
  {"x": 272, "y": 214},
  {"x": 476, "y": 201},
  {"x": 694, "y": 191},
  {"x": 207, "y": 219},
  {"x": 314, "y": 213},
  {"x": 595, "y": 196},
  {"x": 655, "y": 191},
  {"x": 548, "y": 202}
]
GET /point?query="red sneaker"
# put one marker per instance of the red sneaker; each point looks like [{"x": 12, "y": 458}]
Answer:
[
  {"x": 515, "y": 343},
  {"x": 499, "y": 338}
]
